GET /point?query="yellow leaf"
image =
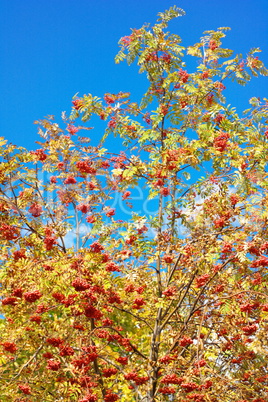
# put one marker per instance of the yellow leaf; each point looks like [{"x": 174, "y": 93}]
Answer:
[{"x": 2, "y": 141}]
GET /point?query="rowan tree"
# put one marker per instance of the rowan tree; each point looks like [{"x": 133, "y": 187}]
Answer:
[{"x": 170, "y": 306}]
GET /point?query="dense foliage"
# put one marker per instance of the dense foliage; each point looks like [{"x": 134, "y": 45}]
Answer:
[{"x": 103, "y": 300}]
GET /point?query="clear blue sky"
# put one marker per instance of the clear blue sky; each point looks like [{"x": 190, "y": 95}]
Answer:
[{"x": 52, "y": 49}]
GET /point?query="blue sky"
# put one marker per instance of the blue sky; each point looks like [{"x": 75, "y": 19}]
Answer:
[{"x": 52, "y": 49}]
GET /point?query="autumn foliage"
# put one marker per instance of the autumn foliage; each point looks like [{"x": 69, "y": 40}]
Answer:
[{"x": 104, "y": 300}]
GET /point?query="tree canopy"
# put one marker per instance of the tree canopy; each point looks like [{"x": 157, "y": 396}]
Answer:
[{"x": 103, "y": 300}]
